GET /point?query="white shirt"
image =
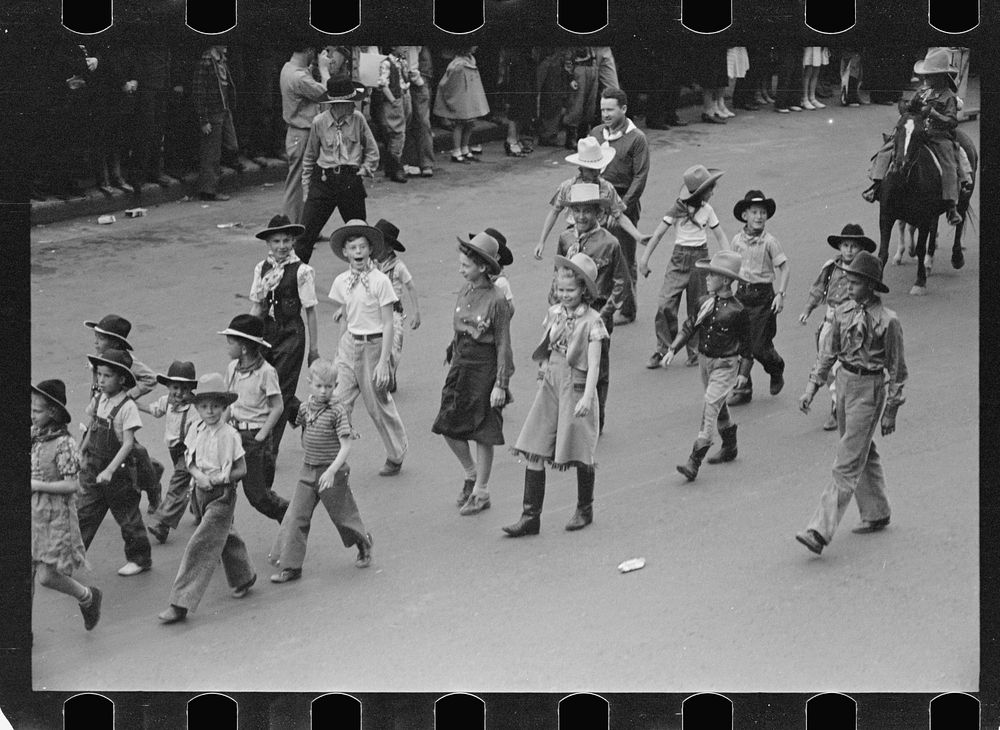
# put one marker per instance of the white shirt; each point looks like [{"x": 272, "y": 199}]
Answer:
[{"x": 363, "y": 308}]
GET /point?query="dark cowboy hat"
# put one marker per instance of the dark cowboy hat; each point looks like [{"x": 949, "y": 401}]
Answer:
[
  {"x": 212, "y": 386},
  {"x": 389, "y": 234},
  {"x": 868, "y": 266},
  {"x": 754, "y": 197},
  {"x": 352, "y": 229},
  {"x": 118, "y": 360},
  {"x": 504, "y": 257},
  {"x": 582, "y": 265},
  {"x": 178, "y": 372},
  {"x": 54, "y": 391},
  {"x": 280, "y": 224},
  {"x": 113, "y": 326},
  {"x": 341, "y": 88},
  {"x": 247, "y": 326},
  {"x": 853, "y": 232},
  {"x": 484, "y": 246},
  {"x": 724, "y": 263}
]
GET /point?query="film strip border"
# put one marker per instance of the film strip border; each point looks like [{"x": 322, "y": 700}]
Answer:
[{"x": 576, "y": 17}]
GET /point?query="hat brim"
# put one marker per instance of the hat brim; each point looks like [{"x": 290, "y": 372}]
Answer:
[
  {"x": 226, "y": 396},
  {"x": 373, "y": 235},
  {"x": 107, "y": 333},
  {"x": 877, "y": 285},
  {"x": 602, "y": 202},
  {"x": 52, "y": 401},
  {"x": 741, "y": 205},
  {"x": 607, "y": 155},
  {"x": 167, "y": 380},
  {"x": 920, "y": 67},
  {"x": 359, "y": 92},
  {"x": 296, "y": 229},
  {"x": 707, "y": 266},
  {"x": 492, "y": 263},
  {"x": 562, "y": 261},
  {"x": 866, "y": 243},
  {"x": 229, "y": 332},
  {"x": 504, "y": 256},
  {"x": 713, "y": 175},
  {"x": 95, "y": 361}
]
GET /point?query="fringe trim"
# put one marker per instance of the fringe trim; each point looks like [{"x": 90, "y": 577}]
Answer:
[{"x": 550, "y": 462}]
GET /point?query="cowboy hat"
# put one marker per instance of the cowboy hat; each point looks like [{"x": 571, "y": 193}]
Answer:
[
  {"x": 280, "y": 224},
  {"x": 868, "y": 266},
  {"x": 212, "y": 386},
  {"x": 937, "y": 61},
  {"x": 504, "y": 257},
  {"x": 582, "y": 265},
  {"x": 724, "y": 263},
  {"x": 485, "y": 246},
  {"x": 853, "y": 232},
  {"x": 698, "y": 178},
  {"x": 590, "y": 153},
  {"x": 389, "y": 234},
  {"x": 754, "y": 197},
  {"x": 118, "y": 360},
  {"x": 247, "y": 327},
  {"x": 54, "y": 391},
  {"x": 178, "y": 372},
  {"x": 341, "y": 88},
  {"x": 587, "y": 194},
  {"x": 113, "y": 326},
  {"x": 352, "y": 229}
]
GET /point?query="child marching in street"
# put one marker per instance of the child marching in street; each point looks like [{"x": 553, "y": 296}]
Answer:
[
  {"x": 392, "y": 266},
  {"x": 215, "y": 459},
  {"x": 180, "y": 417},
  {"x": 326, "y": 439},
  {"x": 56, "y": 546},
  {"x": 561, "y": 428},
  {"x": 475, "y": 390},
  {"x": 867, "y": 339},
  {"x": 724, "y": 356},
  {"x": 831, "y": 288},
  {"x": 505, "y": 258},
  {"x": 763, "y": 261}
]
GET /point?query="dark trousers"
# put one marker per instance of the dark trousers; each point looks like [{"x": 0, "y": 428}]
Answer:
[
  {"x": 178, "y": 491},
  {"x": 756, "y": 299},
  {"x": 288, "y": 349},
  {"x": 604, "y": 371},
  {"x": 260, "y": 476},
  {"x": 151, "y": 115},
  {"x": 122, "y": 499},
  {"x": 789, "y": 91},
  {"x": 147, "y": 473},
  {"x": 222, "y": 137},
  {"x": 627, "y": 243},
  {"x": 327, "y": 193}
]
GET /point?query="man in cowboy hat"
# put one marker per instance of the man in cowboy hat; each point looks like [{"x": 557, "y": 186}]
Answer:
[
  {"x": 341, "y": 149},
  {"x": 867, "y": 340}
]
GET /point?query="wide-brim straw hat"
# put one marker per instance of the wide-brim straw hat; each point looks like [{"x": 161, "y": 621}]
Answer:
[
  {"x": 212, "y": 386},
  {"x": 868, "y": 266},
  {"x": 341, "y": 88},
  {"x": 54, "y": 391},
  {"x": 724, "y": 263},
  {"x": 754, "y": 197},
  {"x": 281, "y": 224},
  {"x": 178, "y": 372},
  {"x": 587, "y": 194},
  {"x": 117, "y": 360},
  {"x": 582, "y": 265},
  {"x": 353, "y": 228},
  {"x": 590, "y": 153},
  {"x": 485, "y": 246},
  {"x": 112, "y": 325},
  {"x": 698, "y": 178},
  {"x": 247, "y": 327},
  {"x": 853, "y": 232}
]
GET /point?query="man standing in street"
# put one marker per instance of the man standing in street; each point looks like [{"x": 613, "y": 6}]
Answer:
[
  {"x": 300, "y": 96},
  {"x": 627, "y": 172}
]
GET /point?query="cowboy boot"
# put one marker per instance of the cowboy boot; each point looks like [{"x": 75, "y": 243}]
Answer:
[
  {"x": 728, "y": 451},
  {"x": 584, "y": 514},
  {"x": 534, "y": 495},
  {"x": 690, "y": 469}
]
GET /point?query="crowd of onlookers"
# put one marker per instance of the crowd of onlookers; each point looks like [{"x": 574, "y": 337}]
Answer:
[{"x": 119, "y": 116}]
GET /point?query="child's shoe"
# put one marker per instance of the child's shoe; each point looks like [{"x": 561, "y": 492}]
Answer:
[
  {"x": 245, "y": 588},
  {"x": 474, "y": 505},
  {"x": 831, "y": 421},
  {"x": 159, "y": 531},
  {"x": 690, "y": 468},
  {"x": 364, "y": 551},
  {"x": 92, "y": 611},
  {"x": 817, "y": 104},
  {"x": 173, "y": 614},
  {"x": 654, "y": 361},
  {"x": 806, "y": 104},
  {"x": 467, "y": 487},
  {"x": 286, "y": 575},
  {"x": 812, "y": 540},
  {"x": 131, "y": 568}
]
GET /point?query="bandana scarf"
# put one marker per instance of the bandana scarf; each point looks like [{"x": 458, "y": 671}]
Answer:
[
  {"x": 707, "y": 309},
  {"x": 565, "y": 324},
  {"x": 47, "y": 433},
  {"x": 269, "y": 281},
  {"x": 361, "y": 276},
  {"x": 858, "y": 328}
]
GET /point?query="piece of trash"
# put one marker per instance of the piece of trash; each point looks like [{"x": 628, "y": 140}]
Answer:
[
  {"x": 105, "y": 220},
  {"x": 229, "y": 225},
  {"x": 634, "y": 564},
  {"x": 268, "y": 185},
  {"x": 136, "y": 212},
  {"x": 205, "y": 206},
  {"x": 186, "y": 199}
]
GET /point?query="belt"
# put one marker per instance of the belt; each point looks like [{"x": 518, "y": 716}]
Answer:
[
  {"x": 341, "y": 170},
  {"x": 246, "y": 426},
  {"x": 757, "y": 285},
  {"x": 367, "y": 338},
  {"x": 858, "y": 371}
]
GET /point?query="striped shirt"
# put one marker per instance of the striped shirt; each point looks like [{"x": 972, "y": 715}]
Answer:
[{"x": 323, "y": 426}]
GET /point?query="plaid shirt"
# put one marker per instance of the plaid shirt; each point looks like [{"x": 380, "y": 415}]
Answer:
[{"x": 209, "y": 96}]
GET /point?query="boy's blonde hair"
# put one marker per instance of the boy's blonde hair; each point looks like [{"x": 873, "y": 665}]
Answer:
[{"x": 323, "y": 370}]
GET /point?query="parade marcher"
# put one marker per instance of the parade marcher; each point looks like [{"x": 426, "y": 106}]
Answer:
[
  {"x": 561, "y": 428},
  {"x": 505, "y": 258},
  {"x": 724, "y": 353},
  {"x": 176, "y": 406},
  {"x": 214, "y": 97},
  {"x": 762, "y": 260},
  {"x": 216, "y": 461},
  {"x": 418, "y": 148},
  {"x": 56, "y": 545},
  {"x": 627, "y": 172},
  {"x": 256, "y": 410},
  {"x": 107, "y": 474},
  {"x": 692, "y": 214},
  {"x": 326, "y": 440},
  {"x": 830, "y": 288},
  {"x": 867, "y": 339},
  {"x": 392, "y": 266},
  {"x": 340, "y": 151},
  {"x": 394, "y": 109},
  {"x": 365, "y": 297},
  {"x": 482, "y": 363},
  {"x": 300, "y": 97},
  {"x": 283, "y": 288}
]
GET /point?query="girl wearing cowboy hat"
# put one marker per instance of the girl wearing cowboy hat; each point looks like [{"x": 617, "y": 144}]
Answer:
[
  {"x": 562, "y": 426},
  {"x": 692, "y": 214},
  {"x": 867, "y": 339},
  {"x": 475, "y": 390},
  {"x": 56, "y": 546}
]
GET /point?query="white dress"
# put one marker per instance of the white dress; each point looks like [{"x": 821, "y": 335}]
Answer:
[
  {"x": 737, "y": 62},
  {"x": 815, "y": 56}
]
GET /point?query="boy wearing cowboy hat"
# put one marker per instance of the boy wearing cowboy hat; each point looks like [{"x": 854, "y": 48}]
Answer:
[
  {"x": 392, "y": 266},
  {"x": 867, "y": 339},
  {"x": 284, "y": 287},
  {"x": 763, "y": 261},
  {"x": 589, "y": 237},
  {"x": 341, "y": 149},
  {"x": 180, "y": 417},
  {"x": 216, "y": 460},
  {"x": 107, "y": 476},
  {"x": 723, "y": 350},
  {"x": 365, "y": 295},
  {"x": 831, "y": 288}
]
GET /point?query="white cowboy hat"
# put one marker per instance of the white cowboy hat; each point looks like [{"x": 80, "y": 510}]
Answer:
[{"x": 590, "y": 153}]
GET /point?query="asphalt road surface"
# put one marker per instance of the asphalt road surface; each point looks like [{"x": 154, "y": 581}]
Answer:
[{"x": 727, "y": 600}]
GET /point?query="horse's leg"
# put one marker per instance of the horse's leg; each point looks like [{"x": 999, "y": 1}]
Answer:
[
  {"x": 931, "y": 247},
  {"x": 920, "y": 287},
  {"x": 957, "y": 256},
  {"x": 885, "y": 223}
]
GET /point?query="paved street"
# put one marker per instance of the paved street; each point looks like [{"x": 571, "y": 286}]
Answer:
[{"x": 728, "y": 599}]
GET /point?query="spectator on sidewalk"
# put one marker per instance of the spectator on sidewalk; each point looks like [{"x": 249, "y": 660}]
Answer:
[
  {"x": 418, "y": 147},
  {"x": 460, "y": 98},
  {"x": 555, "y": 88},
  {"x": 392, "y": 102},
  {"x": 152, "y": 67},
  {"x": 214, "y": 96},
  {"x": 300, "y": 96}
]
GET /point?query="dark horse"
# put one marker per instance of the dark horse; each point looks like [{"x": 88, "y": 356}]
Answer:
[{"x": 911, "y": 192}]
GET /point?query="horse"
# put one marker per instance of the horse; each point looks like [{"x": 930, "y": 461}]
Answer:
[{"x": 911, "y": 192}]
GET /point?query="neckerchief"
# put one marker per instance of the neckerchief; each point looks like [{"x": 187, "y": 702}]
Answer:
[
  {"x": 752, "y": 239},
  {"x": 387, "y": 265},
  {"x": 860, "y": 323},
  {"x": 580, "y": 241},
  {"x": 314, "y": 410},
  {"x": 609, "y": 136},
  {"x": 269, "y": 281},
  {"x": 256, "y": 363},
  {"x": 566, "y": 322},
  {"x": 47, "y": 433},
  {"x": 707, "y": 309},
  {"x": 361, "y": 276}
]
